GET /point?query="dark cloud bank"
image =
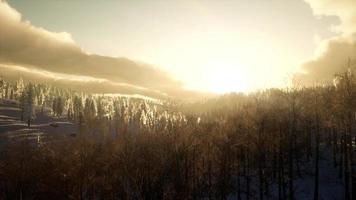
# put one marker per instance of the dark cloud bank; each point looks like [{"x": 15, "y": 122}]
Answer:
[
  {"x": 332, "y": 54},
  {"x": 48, "y": 55}
]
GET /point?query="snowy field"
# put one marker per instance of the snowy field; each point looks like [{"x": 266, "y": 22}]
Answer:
[{"x": 44, "y": 127}]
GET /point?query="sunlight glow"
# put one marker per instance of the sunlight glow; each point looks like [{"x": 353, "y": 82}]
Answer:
[{"x": 227, "y": 79}]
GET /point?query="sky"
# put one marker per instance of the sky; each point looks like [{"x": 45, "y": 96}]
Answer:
[{"x": 212, "y": 46}]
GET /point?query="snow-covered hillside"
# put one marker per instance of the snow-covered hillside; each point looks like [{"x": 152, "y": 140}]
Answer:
[{"x": 43, "y": 128}]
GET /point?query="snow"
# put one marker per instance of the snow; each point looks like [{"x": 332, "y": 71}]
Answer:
[
  {"x": 330, "y": 186},
  {"x": 12, "y": 129}
]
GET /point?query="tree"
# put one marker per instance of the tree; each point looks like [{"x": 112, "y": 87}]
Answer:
[
  {"x": 59, "y": 106},
  {"x": 2, "y": 83},
  {"x": 6, "y": 91},
  {"x": 19, "y": 88},
  {"x": 78, "y": 109},
  {"x": 89, "y": 109},
  {"x": 29, "y": 107},
  {"x": 69, "y": 108}
]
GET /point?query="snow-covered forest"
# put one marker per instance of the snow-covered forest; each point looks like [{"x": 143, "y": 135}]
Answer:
[
  {"x": 294, "y": 143},
  {"x": 107, "y": 115}
]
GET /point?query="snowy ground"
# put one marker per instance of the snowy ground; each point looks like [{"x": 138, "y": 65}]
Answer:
[
  {"x": 331, "y": 187},
  {"x": 13, "y": 129}
]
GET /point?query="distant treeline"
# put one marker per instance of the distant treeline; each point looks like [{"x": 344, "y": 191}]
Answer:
[{"x": 112, "y": 114}]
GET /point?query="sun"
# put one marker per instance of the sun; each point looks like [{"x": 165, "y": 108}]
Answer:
[{"x": 225, "y": 79}]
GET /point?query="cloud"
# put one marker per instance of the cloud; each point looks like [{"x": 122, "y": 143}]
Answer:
[
  {"x": 331, "y": 58},
  {"x": 344, "y": 9},
  {"x": 22, "y": 44},
  {"x": 75, "y": 82},
  {"x": 332, "y": 54}
]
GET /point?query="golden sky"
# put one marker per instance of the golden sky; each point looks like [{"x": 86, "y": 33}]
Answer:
[{"x": 214, "y": 46}]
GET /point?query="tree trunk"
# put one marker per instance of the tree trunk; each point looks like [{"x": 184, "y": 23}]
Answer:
[
  {"x": 290, "y": 167},
  {"x": 316, "y": 180},
  {"x": 334, "y": 143},
  {"x": 346, "y": 169},
  {"x": 247, "y": 176},
  {"x": 280, "y": 169}
]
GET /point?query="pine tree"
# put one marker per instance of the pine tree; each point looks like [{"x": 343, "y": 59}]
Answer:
[
  {"x": 19, "y": 88},
  {"x": 54, "y": 106},
  {"x": 60, "y": 106},
  {"x": 22, "y": 99},
  {"x": 89, "y": 109},
  {"x": 69, "y": 108},
  {"x": 6, "y": 90},
  {"x": 41, "y": 100},
  {"x": 11, "y": 93},
  {"x": 29, "y": 110},
  {"x": 78, "y": 109},
  {"x": 2, "y": 82}
]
